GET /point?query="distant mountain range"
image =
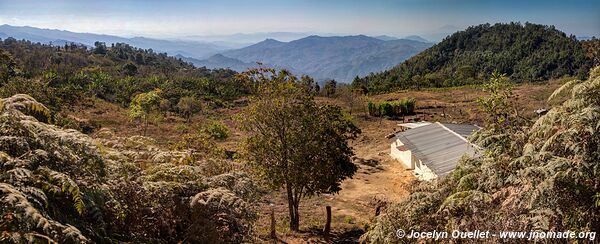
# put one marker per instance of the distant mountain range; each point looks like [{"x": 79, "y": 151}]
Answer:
[
  {"x": 196, "y": 49},
  {"x": 323, "y": 57},
  {"x": 339, "y": 57},
  {"x": 251, "y": 38}
]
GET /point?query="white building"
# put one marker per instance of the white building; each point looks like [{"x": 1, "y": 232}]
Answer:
[{"x": 432, "y": 150}]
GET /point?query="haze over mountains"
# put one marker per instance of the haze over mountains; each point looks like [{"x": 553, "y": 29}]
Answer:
[
  {"x": 339, "y": 57},
  {"x": 323, "y": 57},
  {"x": 186, "y": 48}
]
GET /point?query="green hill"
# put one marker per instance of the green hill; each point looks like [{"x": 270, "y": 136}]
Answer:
[
  {"x": 528, "y": 52},
  {"x": 62, "y": 75}
]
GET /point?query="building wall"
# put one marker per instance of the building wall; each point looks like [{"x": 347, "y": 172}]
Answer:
[
  {"x": 405, "y": 157},
  {"x": 420, "y": 170}
]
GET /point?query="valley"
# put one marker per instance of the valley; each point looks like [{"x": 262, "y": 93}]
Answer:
[{"x": 249, "y": 137}]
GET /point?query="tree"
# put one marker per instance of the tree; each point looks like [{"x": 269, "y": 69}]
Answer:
[
  {"x": 100, "y": 48},
  {"x": 164, "y": 106},
  {"x": 8, "y": 67},
  {"x": 293, "y": 143},
  {"x": 330, "y": 87},
  {"x": 139, "y": 58},
  {"x": 497, "y": 107},
  {"x": 142, "y": 106},
  {"x": 352, "y": 98},
  {"x": 187, "y": 106},
  {"x": 307, "y": 83},
  {"x": 130, "y": 69}
]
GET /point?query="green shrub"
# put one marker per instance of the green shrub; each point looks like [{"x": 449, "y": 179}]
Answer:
[
  {"x": 217, "y": 130},
  {"x": 391, "y": 109},
  {"x": 386, "y": 109}
]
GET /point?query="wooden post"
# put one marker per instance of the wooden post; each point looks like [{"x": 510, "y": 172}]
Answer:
[
  {"x": 273, "y": 233},
  {"x": 328, "y": 223},
  {"x": 444, "y": 114}
]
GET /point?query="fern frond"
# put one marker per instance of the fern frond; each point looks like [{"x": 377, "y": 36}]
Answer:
[
  {"x": 220, "y": 198},
  {"x": 35, "y": 195},
  {"x": 24, "y": 210},
  {"x": 66, "y": 185},
  {"x": 18, "y": 176},
  {"x": 26, "y": 105},
  {"x": 563, "y": 89}
]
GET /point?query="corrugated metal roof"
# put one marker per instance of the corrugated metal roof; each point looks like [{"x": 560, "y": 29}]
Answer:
[
  {"x": 462, "y": 129},
  {"x": 438, "y": 146},
  {"x": 413, "y": 125}
]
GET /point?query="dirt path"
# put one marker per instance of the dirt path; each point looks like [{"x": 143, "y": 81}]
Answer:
[{"x": 379, "y": 178}]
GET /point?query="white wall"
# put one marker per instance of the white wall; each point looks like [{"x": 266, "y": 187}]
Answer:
[
  {"x": 420, "y": 170},
  {"x": 405, "y": 157}
]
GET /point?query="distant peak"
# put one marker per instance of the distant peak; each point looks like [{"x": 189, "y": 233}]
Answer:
[
  {"x": 416, "y": 38},
  {"x": 313, "y": 37},
  {"x": 385, "y": 38}
]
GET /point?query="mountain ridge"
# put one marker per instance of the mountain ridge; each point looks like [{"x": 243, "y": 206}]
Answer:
[
  {"x": 195, "y": 49},
  {"x": 337, "y": 57}
]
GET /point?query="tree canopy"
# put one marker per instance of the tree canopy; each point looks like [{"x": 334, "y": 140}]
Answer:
[
  {"x": 63, "y": 75},
  {"x": 294, "y": 143}
]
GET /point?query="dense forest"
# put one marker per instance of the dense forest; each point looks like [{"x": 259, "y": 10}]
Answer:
[
  {"x": 61, "y": 75},
  {"x": 528, "y": 52}
]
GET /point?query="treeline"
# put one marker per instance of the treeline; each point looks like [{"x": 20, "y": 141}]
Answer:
[
  {"x": 592, "y": 50},
  {"x": 62, "y": 75},
  {"x": 528, "y": 52}
]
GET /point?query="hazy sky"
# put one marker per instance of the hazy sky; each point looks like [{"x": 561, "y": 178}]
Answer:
[{"x": 372, "y": 17}]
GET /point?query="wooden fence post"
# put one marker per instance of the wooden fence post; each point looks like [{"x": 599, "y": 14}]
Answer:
[{"x": 273, "y": 233}]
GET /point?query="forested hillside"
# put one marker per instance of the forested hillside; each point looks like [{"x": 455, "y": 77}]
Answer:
[
  {"x": 528, "y": 52},
  {"x": 197, "y": 49},
  {"x": 116, "y": 144},
  {"x": 61, "y": 75}
]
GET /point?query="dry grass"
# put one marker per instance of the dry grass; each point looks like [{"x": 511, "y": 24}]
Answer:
[{"x": 379, "y": 179}]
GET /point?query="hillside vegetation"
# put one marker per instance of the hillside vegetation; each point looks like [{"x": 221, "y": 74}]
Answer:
[
  {"x": 528, "y": 52},
  {"x": 197, "y": 49},
  {"x": 61, "y": 186},
  {"x": 541, "y": 177},
  {"x": 62, "y": 75}
]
